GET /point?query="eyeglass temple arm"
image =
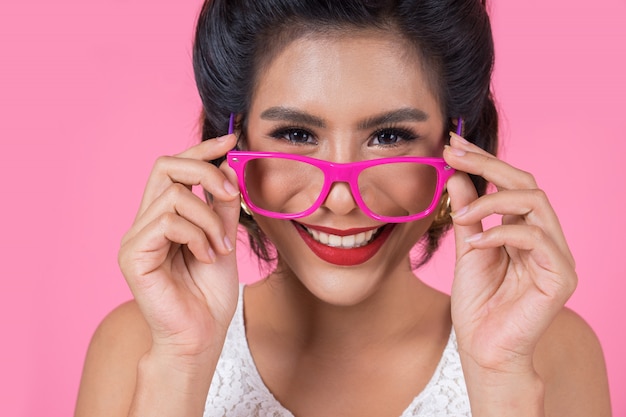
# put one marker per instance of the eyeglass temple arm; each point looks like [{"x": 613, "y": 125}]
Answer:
[
  {"x": 231, "y": 123},
  {"x": 459, "y": 127}
]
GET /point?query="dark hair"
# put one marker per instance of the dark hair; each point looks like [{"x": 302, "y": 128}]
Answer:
[{"x": 236, "y": 38}]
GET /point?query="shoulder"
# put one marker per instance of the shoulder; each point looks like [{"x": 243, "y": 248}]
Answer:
[
  {"x": 570, "y": 361},
  {"x": 110, "y": 369},
  {"x": 123, "y": 331}
]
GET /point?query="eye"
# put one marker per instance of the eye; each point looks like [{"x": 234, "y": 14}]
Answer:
[
  {"x": 294, "y": 135},
  {"x": 390, "y": 137}
]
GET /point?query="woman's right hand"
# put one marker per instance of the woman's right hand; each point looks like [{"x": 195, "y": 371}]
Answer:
[{"x": 178, "y": 257}]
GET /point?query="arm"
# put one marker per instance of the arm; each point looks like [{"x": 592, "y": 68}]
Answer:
[
  {"x": 110, "y": 370},
  {"x": 568, "y": 377},
  {"x": 570, "y": 362},
  {"x": 123, "y": 377},
  {"x": 511, "y": 283},
  {"x": 156, "y": 356}
]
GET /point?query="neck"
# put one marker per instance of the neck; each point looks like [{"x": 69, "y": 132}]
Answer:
[{"x": 400, "y": 308}]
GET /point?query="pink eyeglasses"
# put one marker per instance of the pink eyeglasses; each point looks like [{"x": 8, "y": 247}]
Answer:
[{"x": 390, "y": 190}]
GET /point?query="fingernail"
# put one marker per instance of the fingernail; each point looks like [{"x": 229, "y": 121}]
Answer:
[
  {"x": 222, "y": 138},
  {"x": 473, "y": 238},
  {"x": 228, "y": 244},
  {"x": 212, "y": 255},
  {"x": 459, "y": 138},
  {"x": 455, "y": 151},
  {"x": 459, "y": 212},
  {"x": 230, "y": 189}
]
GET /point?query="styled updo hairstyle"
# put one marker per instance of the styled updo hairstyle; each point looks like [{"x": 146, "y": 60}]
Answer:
[{"x": 236, "y": 39}]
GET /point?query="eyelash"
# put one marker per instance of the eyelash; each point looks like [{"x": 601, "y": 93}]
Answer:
[
  {"x": 281, "y": 133},
  {"x": 404, "y": 135}
]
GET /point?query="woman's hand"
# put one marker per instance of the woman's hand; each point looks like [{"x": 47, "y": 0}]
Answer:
[
  {"x": 178, "y": 257},
  {"x": 511, "y": 280}
]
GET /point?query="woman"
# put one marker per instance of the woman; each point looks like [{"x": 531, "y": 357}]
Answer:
[{"x": 342, "y": 326}]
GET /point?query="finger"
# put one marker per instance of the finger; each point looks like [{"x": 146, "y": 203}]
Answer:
[
  {"x": 179, "y": 200},
  {"x": 149, "y": 248},
  {"x": 520, "y": 206},
  {"x": 460, "y": 142},
  {"x": 494, "y": 170},
  {"x": 543, "y": 252},
  {"x": 211, "y": 149},
  {"x": 169, "y": 169},
  {"x": 462, "y": 193},
  {"x": 228, "y": 210},
  {"x": 189, "y": 172}
]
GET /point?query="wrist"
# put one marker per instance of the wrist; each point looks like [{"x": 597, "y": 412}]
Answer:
[
  {"x": 170, "y": 385},
  {"x": 504, "y": 393},
  {"x": 186, "y": 349}
]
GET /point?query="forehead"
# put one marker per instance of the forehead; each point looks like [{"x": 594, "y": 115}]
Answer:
[{"x": 353, "y": 70}]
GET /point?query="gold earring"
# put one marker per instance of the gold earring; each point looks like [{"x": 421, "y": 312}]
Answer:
[
  {"x": 245, "y": 208},
  {"x": 443, "y": 214}
]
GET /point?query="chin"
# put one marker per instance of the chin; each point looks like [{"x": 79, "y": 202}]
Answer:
[
  {"x": 341, "y": 276},
  {"x": 339, "y": 287}
]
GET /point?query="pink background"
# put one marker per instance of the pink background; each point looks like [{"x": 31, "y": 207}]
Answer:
[{"x": 92, "y": 92}]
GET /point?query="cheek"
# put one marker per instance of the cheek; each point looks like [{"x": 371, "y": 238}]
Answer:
[
  {"x": 283, "y": 185},
  {"x": 277, "y": 231},
  {"x": 409, "y": 235},
  {"x": 399, "y": 189}
]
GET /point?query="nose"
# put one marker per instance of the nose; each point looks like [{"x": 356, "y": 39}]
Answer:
[{"x": 340, "y": 200}]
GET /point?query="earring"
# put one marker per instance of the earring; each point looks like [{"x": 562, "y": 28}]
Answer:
[
  {"x": 443, "y": 214},
  {"x": 245, "y": 208}
]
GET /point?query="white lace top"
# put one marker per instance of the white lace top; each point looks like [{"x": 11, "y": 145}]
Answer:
[{"x": 237, "y": 389}]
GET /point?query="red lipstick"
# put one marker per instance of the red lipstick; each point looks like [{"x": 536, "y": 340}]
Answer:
[{"x": 344, "y": 256}]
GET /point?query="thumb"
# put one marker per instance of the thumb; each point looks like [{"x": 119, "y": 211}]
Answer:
[{"x": 462, "y": 192}]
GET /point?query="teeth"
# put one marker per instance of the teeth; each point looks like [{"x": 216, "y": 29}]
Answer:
[{"x": 346, "y": 242}]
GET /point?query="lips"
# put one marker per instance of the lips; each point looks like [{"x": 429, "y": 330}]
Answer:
[{"x": 347, "y": 247}]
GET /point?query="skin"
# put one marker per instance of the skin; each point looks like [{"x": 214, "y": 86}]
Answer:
[{"x": 360, "y": 340}]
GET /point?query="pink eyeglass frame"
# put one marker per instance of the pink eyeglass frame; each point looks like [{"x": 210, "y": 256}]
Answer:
[{"x": 339, "y": 172}]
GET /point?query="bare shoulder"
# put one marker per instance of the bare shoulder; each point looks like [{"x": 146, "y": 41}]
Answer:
[
  {"x": 123, "y": 332},
  {"x": 110, "y": 370},
  {"x": 570, "y": 361}
]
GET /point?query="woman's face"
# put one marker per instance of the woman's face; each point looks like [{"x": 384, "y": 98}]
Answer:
[{"x": 344, "y": 99}]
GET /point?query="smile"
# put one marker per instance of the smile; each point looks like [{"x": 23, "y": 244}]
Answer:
[
  {"x": 345, "y": 242},
  {"x": 344, "y": 247}
]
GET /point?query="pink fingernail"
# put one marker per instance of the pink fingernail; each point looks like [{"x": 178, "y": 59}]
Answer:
[
  {"x": 459, "y": 212},
  {"x": 228, "y": 244},
  {"x": 230, "y": 189},
  {"x": 212, "y": 255},
  {"x": 455, "y": 151},
  {"x": 222, "y": 138},
  {"x": 459, "y": 138}
]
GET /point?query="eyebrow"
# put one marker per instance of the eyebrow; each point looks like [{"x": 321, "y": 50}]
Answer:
[
  {"x": 406, "y": 114},
  {"x": 287, "y": 114}
]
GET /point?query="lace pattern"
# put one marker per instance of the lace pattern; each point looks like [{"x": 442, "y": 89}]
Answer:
[{"x": 237, "y": 389}]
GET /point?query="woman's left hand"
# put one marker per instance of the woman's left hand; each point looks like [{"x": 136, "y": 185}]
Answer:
[{"x": 512, "y": 279}]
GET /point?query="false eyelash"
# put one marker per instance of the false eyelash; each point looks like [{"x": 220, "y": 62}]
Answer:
[
  {"x": 280, "y": 131},
  {"x": 406, "y": 135}
]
